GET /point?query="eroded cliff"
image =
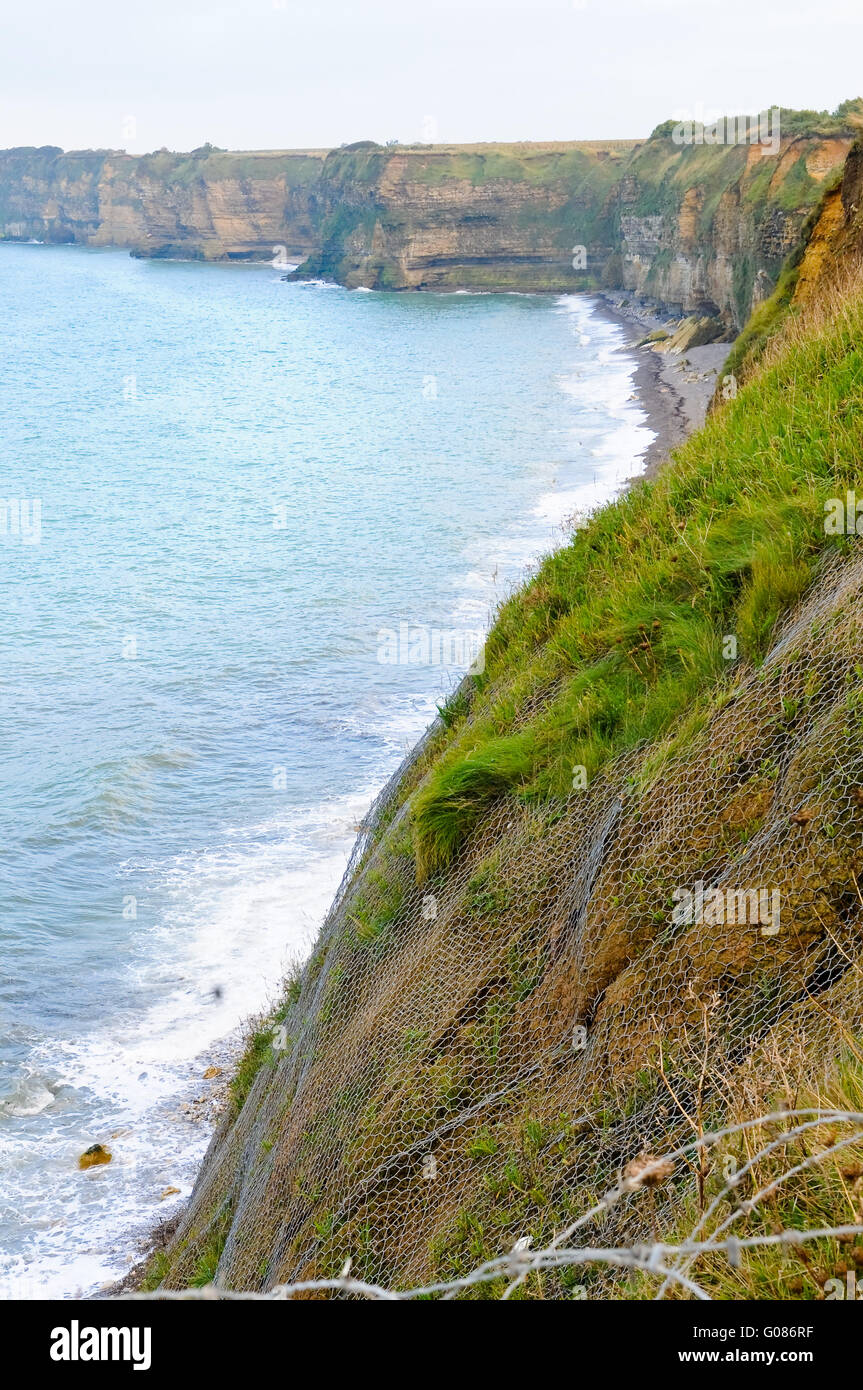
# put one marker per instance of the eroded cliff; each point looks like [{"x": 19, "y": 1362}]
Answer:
[{"x": 208, "y": 204}]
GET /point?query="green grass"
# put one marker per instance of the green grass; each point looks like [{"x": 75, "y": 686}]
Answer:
[
  {"x": 210, "y": 1252},
  {"x": 620, "y": 634},
  {"x": 157, "y": 1268},
  {"x": 298, "y": 170},
  {"x": 825, "y": 1195},
  {"x": 258, "y": 1053}
]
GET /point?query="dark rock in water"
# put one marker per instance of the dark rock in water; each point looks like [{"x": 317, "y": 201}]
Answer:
[{"x": 93, "y": 1156}]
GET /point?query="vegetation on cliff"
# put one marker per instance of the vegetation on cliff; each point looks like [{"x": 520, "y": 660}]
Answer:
[
  {"x": 830, "y": 245},
  {"x": 507, "y": 1008},
  {"x": 666, "y": 218}
]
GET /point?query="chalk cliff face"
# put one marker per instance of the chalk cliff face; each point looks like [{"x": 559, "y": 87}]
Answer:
[
  {"x": 509, "y": 217},
  {"x": 205, "y": 205},
  {"x": 836, "y": 239},
  {"x": 48, "y": 195},
  {"x": 829, "y": 250},
  {"x": 708, "y": 228},
  {"x": 700, "y": 228}
]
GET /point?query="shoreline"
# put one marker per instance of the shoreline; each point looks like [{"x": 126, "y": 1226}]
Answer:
[{"x": 674, "y": 389}]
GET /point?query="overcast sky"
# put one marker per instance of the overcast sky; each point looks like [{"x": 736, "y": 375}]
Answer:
[{"x": 275, "y": 74}]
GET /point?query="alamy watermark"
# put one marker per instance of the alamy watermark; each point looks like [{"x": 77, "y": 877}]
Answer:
[
  {"x": 727, "y": 907},
  {"x": 77, "y": 1343},
  {"x": 762, "y": 130},
  {"x": 840, "y": 1289},
  {"x": 843, "y": 516},
  {"x": 21, "y": 519},
  {"x": 414, "y": 645}
]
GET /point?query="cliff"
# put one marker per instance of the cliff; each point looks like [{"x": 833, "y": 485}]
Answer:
[
  {"x": 708, "y": 228},
  {"x": 702, "y": 229},
  {"x": 609, "y": 905},
  {"x": 479, "y": 217},
  {"x": 207, "y": 205},
  {"x": 829, "y": 250}
]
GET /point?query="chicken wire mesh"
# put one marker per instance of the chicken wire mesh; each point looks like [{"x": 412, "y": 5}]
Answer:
[{"x": 467, "y": 1064}]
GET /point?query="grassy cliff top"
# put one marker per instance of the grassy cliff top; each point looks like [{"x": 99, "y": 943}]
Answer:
[{"x": 500, "y": 158}]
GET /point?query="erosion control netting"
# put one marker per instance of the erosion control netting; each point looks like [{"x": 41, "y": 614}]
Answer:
[{"x": 476, "y": 1060}]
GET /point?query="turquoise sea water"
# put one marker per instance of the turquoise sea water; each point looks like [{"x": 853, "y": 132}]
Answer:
[{"x": 242, "y": 483}]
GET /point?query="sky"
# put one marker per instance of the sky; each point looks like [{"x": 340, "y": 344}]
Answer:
[{"x": 274, "y": 74}]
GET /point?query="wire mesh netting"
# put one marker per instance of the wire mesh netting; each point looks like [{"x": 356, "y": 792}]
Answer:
[{"x": 469, "y": 1065}]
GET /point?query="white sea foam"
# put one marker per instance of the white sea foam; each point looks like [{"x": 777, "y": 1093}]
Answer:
[
  {"x": 600, "y": 385},
  {"x": 239, "y": 915},
  {"x": 315, "y": 284}
]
